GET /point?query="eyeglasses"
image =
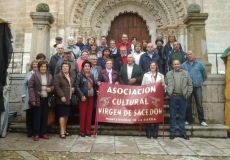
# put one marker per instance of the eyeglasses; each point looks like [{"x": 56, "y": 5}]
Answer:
[{"x": 60, "y": 48}]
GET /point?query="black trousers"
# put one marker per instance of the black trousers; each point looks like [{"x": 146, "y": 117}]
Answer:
[
  {"x": 41, "y": 117},
  {"x": 30, "y": 120}
]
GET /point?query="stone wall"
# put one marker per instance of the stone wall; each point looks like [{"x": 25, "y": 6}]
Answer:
[{"x": 213, "y": 98}]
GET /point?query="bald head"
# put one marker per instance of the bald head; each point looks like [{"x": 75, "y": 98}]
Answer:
[
  {"x": 60, "y": 49},
  {"x": 150, "y": 48},
  {"x": 191, "y": 56},
  {"x": 176, "y": 65},
  {"x": 130, "y": 59}
]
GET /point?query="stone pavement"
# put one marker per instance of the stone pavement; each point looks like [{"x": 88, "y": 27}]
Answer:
[{"x": 18, "y": 146}]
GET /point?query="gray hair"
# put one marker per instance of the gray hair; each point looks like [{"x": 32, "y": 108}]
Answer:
[
  {"x": 70, "y": 38},
  {"x": 93, "y": 55}
]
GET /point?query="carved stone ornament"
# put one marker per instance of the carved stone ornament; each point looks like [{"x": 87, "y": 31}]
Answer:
[
  {"x": 42, "y": 7},
  {"x": 194, "y": 8}
]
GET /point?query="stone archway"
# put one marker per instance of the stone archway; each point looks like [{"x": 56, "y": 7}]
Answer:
[{"x": 93, "y": 18}]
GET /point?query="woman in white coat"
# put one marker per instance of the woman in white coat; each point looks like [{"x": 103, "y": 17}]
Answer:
[
  {"x": 25, "y": 99},
  {"x": 152, "y": 76}
]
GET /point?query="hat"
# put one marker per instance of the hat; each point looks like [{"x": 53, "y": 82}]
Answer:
[
  {"x": 58, "y": 38},
  {"x": 67, "y": 51},
  {"x": 159, "y": 39}
]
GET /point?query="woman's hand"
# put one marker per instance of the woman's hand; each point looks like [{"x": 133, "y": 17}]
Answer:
[
  {"x": 116, "y": 82},
  {"x": 48, "y": 89},
  {"x": 63, "y": 99},
  {"x": 73, "y": 89},
  {"x": 83, "y": 99},
  {"x": 98, "y": 83},
  {"x": 163, "y": 84},
  {"x": 23, "y": 99},
  {"x": 33, "y": 103}
]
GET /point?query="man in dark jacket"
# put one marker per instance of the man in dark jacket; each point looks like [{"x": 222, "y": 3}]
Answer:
[
  {"x": 55, "y": 58},
  {"x": 160, "y": 51},
  {"x": 131, "y": 73},
  {"x": 149, "y": 57},
  {"x": 80, "y": 43}
]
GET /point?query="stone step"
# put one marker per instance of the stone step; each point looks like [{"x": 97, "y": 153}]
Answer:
[{"x": 194, "y": 130}]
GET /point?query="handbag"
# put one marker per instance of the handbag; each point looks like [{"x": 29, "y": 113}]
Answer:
[
  {"x": 51, "y": 117},
  {"x": 51, "y": 101},
  {"x": 74, "y": 100}
]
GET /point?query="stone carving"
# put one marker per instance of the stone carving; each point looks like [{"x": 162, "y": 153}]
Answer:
[
  {"x": 194, "y": 8},
  {"x": 179, "y": 9},
  {"x": 79, "y": 10},
  {"x": 167, "y": 11},
  {"x": 42, "y": 7}
]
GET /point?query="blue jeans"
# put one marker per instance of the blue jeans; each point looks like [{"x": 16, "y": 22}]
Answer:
[
  {"x": 197, "y": 93},
  {"x": 155, "y": 128},
  {"x": 181, "y": 102}
]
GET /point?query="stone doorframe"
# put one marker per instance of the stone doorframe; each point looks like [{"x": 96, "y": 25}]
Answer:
[{"x": 93, "y": 18}]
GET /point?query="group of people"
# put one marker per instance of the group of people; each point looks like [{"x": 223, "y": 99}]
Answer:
[{"x": 78, "y": 69}]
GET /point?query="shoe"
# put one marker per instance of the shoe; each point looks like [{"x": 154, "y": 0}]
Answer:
[
  {"x": 185, "y": 137},
  {"x": 67, "y": 134},
  {"x": 82, "y": 135},
  {"x": 186, "y": 123},
  {"x": 148, "y": 135},
  {"x": 45, "y": 137},
  {"x": 88, "y": 135},
  {"x": 36, "y": 138},
  {"x": 204, "y": 124},
  {"x": 155, "y": 135},
  {"x": 62, "y": 136},
  {"x": 172, "y": 136}
]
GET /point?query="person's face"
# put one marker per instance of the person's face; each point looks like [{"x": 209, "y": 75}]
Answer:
[
  {"x": 159, "y": 44},
  {"x": 65, "y": 68},
  {"x": 43, "y": 69},
  {"x": 176, "y": 65},
  {"x": 134, "y": 41},
  {"x": 91, "y": 41},
  {"x": 60, "y": 49},
  {"x": 130, "y": 59},
  {"x": 58, "y": 41},
  {"x": 85, "y": 56},
  {"x": 86, "y": 68},
  {"x": 171, "y": 39},
  {"x": 35, "y": 66},
  {"x": 150, "y": 48},
  {"x": 79, "y": 39},
  {"x": 145, "y": 44},
  {"x": 153, "y": 67},
  {"x": 123, "y": 51},
  {"x": 103, "y": 41},
  {"x": 94, "y": 60},
  {"x": 109, "y": 64},
  {"x": 191, "y": 56},
  {"x": 137, "y": 48},
  {"x": 106, "y": 53},
  {"x": 71, "y": 42},
  {"x": 176, "y": 46},
  {"x": 124, "y": 38},
  {"x": 93, "y": 48},
  {"x": 112, "y": 44},
  {"x": 68, "y": 55}
]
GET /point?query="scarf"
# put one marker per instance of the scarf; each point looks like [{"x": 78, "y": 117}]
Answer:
[
  {"x": 113, "y": 50},
  {"x": 109, "y": 71}
]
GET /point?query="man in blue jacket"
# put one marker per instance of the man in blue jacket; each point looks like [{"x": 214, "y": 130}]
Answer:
[
  {"x": 148, "y": 57},
  {"x": 198, "y": 74}
]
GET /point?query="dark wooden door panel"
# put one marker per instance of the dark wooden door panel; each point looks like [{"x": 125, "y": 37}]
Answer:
[{"x": 131, "y": 24}]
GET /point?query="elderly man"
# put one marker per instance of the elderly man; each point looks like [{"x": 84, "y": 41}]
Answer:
[
  {"x": 58, "y": 40},
  {"x": 130, "y": 73},
  {"x": 179, "y": 88},
  {"x": 160, "y": 51},
  {"x": 95, "y": 70},
  {"x": 149, "y": 56},
  {"x": 75, "y": 49},
  {"x": 198, "y": 74},
  {"x": 55, "y": 58},
  {"x": 122, "y": 59},
  {"x": 124, "y": 42},
  {"x": 72, "y": 62},
  {"x": 80, "y": 43}
]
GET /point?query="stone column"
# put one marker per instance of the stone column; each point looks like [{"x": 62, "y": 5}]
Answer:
[
  {"x": 196, "y": 35},
  {"x": 42, "y": 20}
]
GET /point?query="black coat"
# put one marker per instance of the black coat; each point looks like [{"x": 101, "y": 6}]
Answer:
[
  {"x": 53, "y": 61},
  {"x": 81, "y": 85},
  {"x": 136, "y": 73}
]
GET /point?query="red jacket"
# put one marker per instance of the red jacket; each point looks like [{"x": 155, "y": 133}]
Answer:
[{"x": 128, "y": 45}]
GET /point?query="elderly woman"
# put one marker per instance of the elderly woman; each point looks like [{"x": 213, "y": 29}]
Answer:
[
  {"x": 152, "y": 76},
  {"x": 40, "y": 85},
  {"x": 108, "y": 75},
  {"x": 25, "y": 99},
  {"x": 85, "y": 88},
  {"x": 64, "y": 88}
]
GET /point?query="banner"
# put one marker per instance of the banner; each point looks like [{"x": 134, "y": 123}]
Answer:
[{"x": 130, "y": 104}]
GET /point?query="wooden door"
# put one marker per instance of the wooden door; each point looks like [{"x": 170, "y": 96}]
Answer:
[{"x": 132, "y": 25}]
